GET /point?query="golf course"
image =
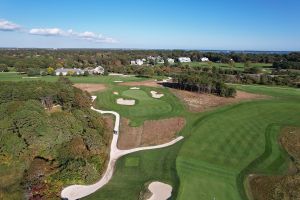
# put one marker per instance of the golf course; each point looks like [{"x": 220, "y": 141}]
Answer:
[{"x": 222, "y": 146}]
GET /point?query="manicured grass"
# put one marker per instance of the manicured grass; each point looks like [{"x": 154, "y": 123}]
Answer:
[
  {"x": 220, "y": 148},
  {"x": 229, "y": 143},
  {"x": 129, "y": 181},
  {"x": 145, "y": 108},
  {"x": 4, "y": 76},
  {"x": 237, "y": 66}
]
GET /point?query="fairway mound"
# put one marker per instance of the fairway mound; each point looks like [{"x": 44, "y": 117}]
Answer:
[
  {"x": 156, "y": 95},
  {"x": 126, "y": 102},
  {"x": 152, "y": 132},
  {"x": 276, "y": 186},
  {"x": 116, "y": 93},
  {"x": 90, "y": 87},
  {"x": 199, "y": 102},
  {"x": 134, "y": 88},
  {"x": 160, "y": 191},
  {"x": 149, "y": 83}
]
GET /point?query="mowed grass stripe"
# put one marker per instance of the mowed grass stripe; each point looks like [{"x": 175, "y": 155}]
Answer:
[{"x": 232, "y": 139}]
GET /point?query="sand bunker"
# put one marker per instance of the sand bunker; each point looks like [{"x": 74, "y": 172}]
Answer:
[
  {"x": 116, "y": 93},
  {"x": 90, "y": 87},
  {"x": 126, "y": 102},
  {"x": 156, "y": 95},
  {"x": 160, "y": 191},
  {"x": 30, "y": 77},
  {"x": 134, "y": 88},
  {"x": 118, "y": 81}
]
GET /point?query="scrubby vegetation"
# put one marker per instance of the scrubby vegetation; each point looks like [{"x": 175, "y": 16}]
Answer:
[
  {"x": 279, "y": 187},
  {"x": 43, "y": 148}
]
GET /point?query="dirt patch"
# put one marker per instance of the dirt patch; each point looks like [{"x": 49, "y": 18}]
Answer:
[
  {"x": 286, "y": 186},
  {"x": 89, "y": 87},
  {"x": 152, "y": 132},
  {"x": 150, "y": 83},
  {"x": 197, "y": 102}
]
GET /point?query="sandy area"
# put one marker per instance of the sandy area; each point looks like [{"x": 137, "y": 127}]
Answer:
[
  {"x": 30, "y": 77},
  {"x": 156, "y": 95},
  {"x": 118, "y": 81},
  {"x": 126, "y": 102},
  {"x": 152, "y": 132},
  {"x": 90, "y": 87},
  {"x": 201, "y": 102},
  {"x": 117, "y": 74},
  {"x": 116, "y": 93},
  {"x": 160, "y": 191},
  {"x": 150, "y": 83},
  {"x": 134, "y": 88}
]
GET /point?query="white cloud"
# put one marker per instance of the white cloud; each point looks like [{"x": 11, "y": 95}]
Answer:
[
  {"x": 8, "y": 26},
  {"x": 87, "y": 35},
  {"x": 47, "y": 31}
]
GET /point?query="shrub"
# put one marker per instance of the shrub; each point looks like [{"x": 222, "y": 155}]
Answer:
[{"x": 33, "y": 72}]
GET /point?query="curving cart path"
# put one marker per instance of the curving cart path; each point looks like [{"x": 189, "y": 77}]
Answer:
[{"x": 74, "y": 192}]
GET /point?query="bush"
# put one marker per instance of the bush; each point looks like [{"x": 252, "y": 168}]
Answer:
[
  {"x": 33, "y": 72},
  {"x": 86, "y": 73},
  {"x": 43, "y": 73}
]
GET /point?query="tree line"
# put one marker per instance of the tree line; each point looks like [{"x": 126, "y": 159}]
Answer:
[{"x": 49, "y": 138}]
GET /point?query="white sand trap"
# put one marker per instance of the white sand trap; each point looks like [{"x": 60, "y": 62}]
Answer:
[
  {"x": 116, "y": 93},
  {"x": 134, "y": 88},
  {"x": 118, "y": 81},
  {"x": 126, "y": 102},
  {"x": 156, "y": 95},
  {"x": 160, "y": 191},
  {"x": 30, "y": 77}
]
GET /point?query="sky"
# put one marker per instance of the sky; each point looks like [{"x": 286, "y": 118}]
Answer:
[{"x": 151, "y": 24}]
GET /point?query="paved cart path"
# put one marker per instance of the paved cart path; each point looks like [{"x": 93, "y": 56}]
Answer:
[{"x": 74, "y": 192}]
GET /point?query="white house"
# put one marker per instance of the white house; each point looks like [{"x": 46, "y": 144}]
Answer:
[
  {"x": 98, "y": 70},
  {"x": 137, "y": 62},
  {"x": 184, "y": 59},
  {"x": 170, "y": 60},
  {"x": 65, "y": 71},
  {"x": 204, "y": 59}
]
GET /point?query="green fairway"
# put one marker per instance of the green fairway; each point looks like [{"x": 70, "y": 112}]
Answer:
[
  {"x": 227, "y": 141},
  {"x": 220, "y": 148},
  {"x": 146, "y": 107},
  {"x": 237, "y": 66},
  {"x": 4, "y": 76}
]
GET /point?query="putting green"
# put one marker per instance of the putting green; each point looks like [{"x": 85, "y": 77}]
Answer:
[{"x": 146, "y": 107}]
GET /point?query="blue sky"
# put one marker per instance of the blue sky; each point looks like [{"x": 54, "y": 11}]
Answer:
[{"x": 166, "y": 24}]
